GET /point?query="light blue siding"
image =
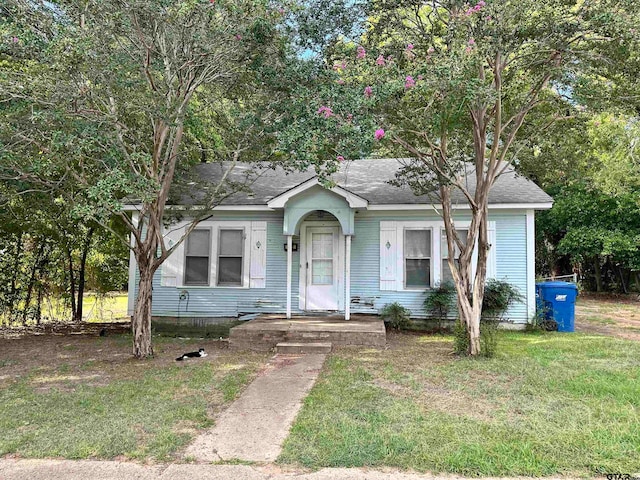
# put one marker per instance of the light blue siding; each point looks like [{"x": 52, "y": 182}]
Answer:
[
  {"x": 222, "y": 302},
  {"x": 511, "y": 258},
  {"x": 511, "y": 262},
  {"x": 365, "y": 272}
]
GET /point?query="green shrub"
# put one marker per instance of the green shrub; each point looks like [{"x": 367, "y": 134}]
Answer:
[
  {"x": 460, "y": 339},
  {"x": 540, "y": 323},
  {"x": 396, "y": 316},
  {"x": 498, "y": 297},
  {"x": 488, "y": 337},
  {"x": 439, "y": 302}
]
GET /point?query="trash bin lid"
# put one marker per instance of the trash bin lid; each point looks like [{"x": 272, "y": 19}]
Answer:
[{"x": 557, "y": 284}]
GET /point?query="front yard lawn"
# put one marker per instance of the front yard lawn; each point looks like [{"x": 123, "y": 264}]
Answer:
[
  {"x": 85, "y": 397},
  {"x": 547, "y": 404}
]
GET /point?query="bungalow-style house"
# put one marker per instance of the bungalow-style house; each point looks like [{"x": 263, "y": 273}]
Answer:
[{"x": 293, "y": 247}]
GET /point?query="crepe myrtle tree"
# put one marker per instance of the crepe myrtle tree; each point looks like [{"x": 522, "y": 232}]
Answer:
[
  {"x": 119, "y": 98},
  {"x": 450, "y": 85},
  {"x": 124, "y": 96}
]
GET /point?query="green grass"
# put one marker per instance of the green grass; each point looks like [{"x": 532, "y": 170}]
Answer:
[
  {"x": 139, "y": 410},
  {"x": 105, "y": 308},
  {"x": 547, "y": 404},
  {"x": 95, "y": 308}
]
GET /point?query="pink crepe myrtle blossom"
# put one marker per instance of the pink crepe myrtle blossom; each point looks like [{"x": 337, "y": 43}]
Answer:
[
  {"x": 472, "y": 41},
  {"x": 379, "y": 135},
  {"x": 410, "y": 47},
  {"x": 15, "y": 39},
  {"x": 409, "y": 82},
  {"x": 340, "y": 81},
  {"x": 325, "y": 111},
  {"x": 360, "y": 52},
  {"x": 420, "y": 77},
  {"x": 380, "y": 61},
  {"x": 340, "y": 158},
  {"x": 238, "y": 37},
  {"x": 476, "y": 8},
  {"x": 368, "y": 91},
  {"x": 430, "y": 50}
]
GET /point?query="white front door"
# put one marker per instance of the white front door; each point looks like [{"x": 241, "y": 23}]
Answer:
[{"x": 322, "y": 265}]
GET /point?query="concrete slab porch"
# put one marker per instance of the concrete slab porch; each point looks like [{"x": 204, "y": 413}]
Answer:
[{"x": 266, "y": 331}]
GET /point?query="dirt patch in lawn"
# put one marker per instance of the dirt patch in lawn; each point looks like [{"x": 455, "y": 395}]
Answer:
[
  {"x": 617, "y": 317},
  {"x": 66, "y": 328},
  {"x": 66, "y": 361}
]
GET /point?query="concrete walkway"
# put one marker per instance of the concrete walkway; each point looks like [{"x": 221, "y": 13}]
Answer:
[
  {"x": 254, "y": 427},
  {"x": 84, "y": 470}
]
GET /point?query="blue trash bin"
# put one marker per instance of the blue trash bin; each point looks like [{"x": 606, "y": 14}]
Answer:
[{"x": 557, "y": 301}]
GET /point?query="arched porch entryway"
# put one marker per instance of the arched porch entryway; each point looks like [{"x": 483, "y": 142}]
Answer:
[{"x": 324, "y": 220}]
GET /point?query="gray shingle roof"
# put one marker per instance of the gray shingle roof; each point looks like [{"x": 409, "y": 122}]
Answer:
[{"x": 369, "y": 179}]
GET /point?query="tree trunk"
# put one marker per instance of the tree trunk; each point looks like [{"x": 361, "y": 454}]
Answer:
[
  {"x": 72, "y": 282},
  {"x": 141, "y": 321},
  {"x": 32, "y": 279},
  {"x": 624, "y": 285},
  {"x": 470, "y": 291},
  {"x": 39, "y": 307},
  {"x": 598, "y": 274},
  {"x": 14, "y": 276},
  {"x": 81, "y": 276}
]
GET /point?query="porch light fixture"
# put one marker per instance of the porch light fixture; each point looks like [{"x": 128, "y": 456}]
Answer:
[{"x": 294, "y": 247}]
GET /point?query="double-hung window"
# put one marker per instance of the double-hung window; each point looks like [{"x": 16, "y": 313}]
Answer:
[
  {"x": 417, "y": 258},
  {"x": 230, "y": 257},
  {"x": 446, "y": 275},
  {"x": 198, "y": 247}
]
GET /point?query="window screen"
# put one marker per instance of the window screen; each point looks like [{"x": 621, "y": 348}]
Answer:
[
  {"x": 417, "y": 258},
  {"x": 230, "y": 257},
  {"x": 446, "y": 271},
  {"x": 322, "y": 258},
  {"x": 198, "y": 245}
]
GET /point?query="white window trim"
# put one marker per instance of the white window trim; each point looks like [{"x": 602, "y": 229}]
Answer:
[
  {"x": 185, "y": 255},
  {"x": 430, "y": 258},
  {"x": 246, "y": 260},
  {"x": 436, "y": 227},
  {"x": 215, "y": 227},
  {"x": 302, "y": 278},
  {"x": 243, "y": 269}
]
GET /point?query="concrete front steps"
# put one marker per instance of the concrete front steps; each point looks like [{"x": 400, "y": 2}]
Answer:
[
  {"x": 266, "y": 332},
  {"x": 293, "y": 348}
]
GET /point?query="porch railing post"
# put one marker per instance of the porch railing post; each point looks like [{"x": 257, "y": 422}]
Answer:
[
  {"x": 347, "y": 279},
  {"x": 289, "y": 266}
]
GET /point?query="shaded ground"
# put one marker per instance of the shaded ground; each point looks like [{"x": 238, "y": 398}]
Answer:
[
  {"x": 613, "y": 316},
  {"x": 85, "y": 396},
  {"x": 66, "y": 328},
  {"x": 548, "y": 404}
]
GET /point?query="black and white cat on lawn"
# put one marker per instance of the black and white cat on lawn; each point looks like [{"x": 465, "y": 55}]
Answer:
[{"x": 184, "y": 356}]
